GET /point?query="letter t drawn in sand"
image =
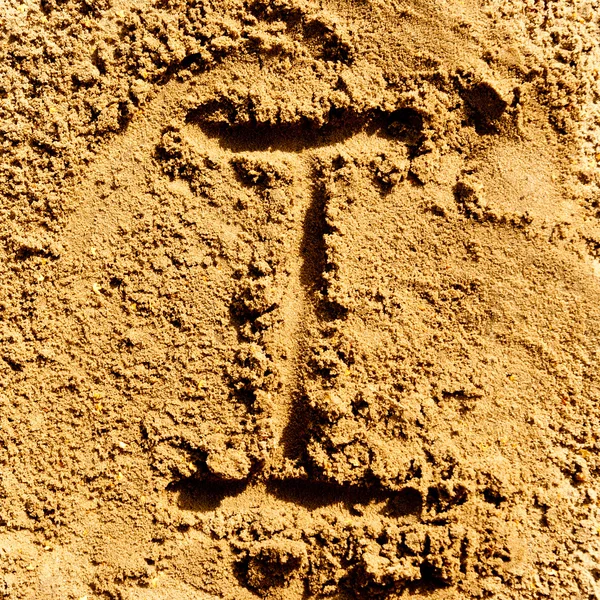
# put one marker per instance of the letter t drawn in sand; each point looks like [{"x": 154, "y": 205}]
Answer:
[{"x": 281, "y": 317}]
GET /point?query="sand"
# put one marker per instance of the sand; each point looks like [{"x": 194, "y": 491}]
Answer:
[{"x": 299, "y": 300}]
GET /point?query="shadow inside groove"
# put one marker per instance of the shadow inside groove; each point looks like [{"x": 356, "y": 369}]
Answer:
[
  {"x": 406, "y": 504},
  {"x": 313, "y": 255},
  {"x": 284, "y": 137},
  {"x": 405, "y": 125},
  {"x": 313, "y": 495},
  {"x": 205, "y": 495}
]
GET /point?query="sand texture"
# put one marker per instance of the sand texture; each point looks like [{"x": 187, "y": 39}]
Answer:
[{"x": 299, "y": 300}]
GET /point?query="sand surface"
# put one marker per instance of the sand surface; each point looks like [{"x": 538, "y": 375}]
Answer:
[{"x": 299, "y": 300}]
